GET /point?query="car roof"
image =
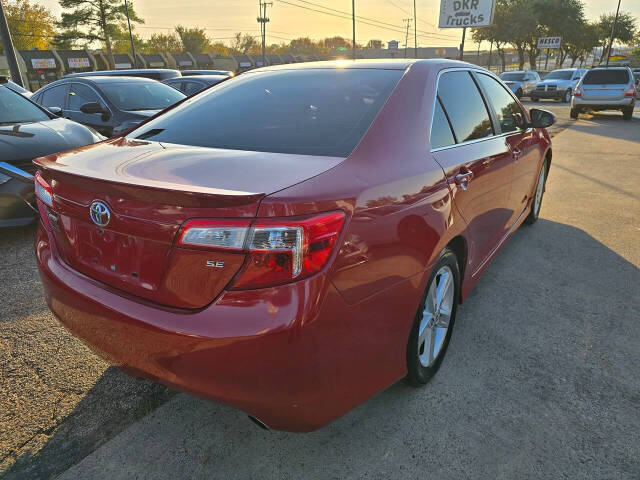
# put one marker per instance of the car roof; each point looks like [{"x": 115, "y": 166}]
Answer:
[
  {"x": 381, "y": 64},
  {"x": 121, "y": 73},
  {"x": 97, "y": 80},
  {"x": 195, "y": 78}
]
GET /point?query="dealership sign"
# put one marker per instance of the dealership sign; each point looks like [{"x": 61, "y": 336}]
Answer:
[
  {"x": 79, "y": 63},
  {"x": 466, "y": 13},
  {"x": 38, "y": 63},
  {"x": 549, "y": 42}
]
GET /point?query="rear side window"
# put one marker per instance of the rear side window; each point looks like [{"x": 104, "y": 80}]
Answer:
[
  {"x": 55, "y": 96},
  {"x": 310, "y": 112},
  {"x": 506, "y": 108},
  {"x": 603, "y": 77},
  {"x": 441, "y": 134},
  {"x": 192, "y": 87},
  {"x": 464, "y": 106}
]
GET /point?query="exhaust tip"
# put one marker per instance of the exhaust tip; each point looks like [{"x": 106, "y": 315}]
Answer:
[{"x": 258, "y": 422}]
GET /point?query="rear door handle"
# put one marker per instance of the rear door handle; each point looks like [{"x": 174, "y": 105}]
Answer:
[
  {"x": 516, "y": 152},
  {"x": 463, "y": 178}
]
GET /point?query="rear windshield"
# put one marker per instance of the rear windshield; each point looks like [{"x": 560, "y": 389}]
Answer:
[
  {"x": 311, "y": 112},
  {"x": 603, "y": 77}
]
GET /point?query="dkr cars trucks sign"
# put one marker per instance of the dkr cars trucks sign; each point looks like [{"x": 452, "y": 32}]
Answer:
[{"x": 466, "y": 13}]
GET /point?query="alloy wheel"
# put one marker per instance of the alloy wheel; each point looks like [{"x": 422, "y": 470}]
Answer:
[
  {"x": 537, "y": 200},
  {"x": 436, "y": 316}
]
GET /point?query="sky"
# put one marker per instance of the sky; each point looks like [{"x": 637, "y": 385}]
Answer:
[{"x": 223, "y": 19}]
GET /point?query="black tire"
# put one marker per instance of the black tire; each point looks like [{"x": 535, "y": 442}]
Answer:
[
  {"x": 535, "y": 99},
  {"x": 567, "y": 96},
  {"x": 534, "y": 213},
  {"x": 519, "y": 93},
  {"x": 627, "y": 113},
  {"x": 574, "y": 113},
  {"x": 418, "y": 375}
]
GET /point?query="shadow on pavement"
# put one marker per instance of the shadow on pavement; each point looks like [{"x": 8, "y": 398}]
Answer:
[{"x": 540, "y": 381}]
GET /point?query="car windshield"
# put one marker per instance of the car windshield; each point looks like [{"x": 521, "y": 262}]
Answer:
[
  {"x": 512, "y": 77},
  {"x": 604, "y": 77},
  {"x": 559, "y": 75},
  {"x": 141, "y": 95},
  {"x": 14, "y": 108},
  {"x": 312, "y": 112}
]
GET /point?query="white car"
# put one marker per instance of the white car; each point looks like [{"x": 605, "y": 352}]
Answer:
[{"x": 605, "y": 89}]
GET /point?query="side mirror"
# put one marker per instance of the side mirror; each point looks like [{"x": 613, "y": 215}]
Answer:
[
  {"x": 91, "y": 107},
  {"x": 541, "y": 118},
  {"x": 57, "y": 111}
]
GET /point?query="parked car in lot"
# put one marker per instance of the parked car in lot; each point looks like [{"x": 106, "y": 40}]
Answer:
[
  {"x": 191, "y": 73},
  {"x": 110, "y": 105},
  {"x": 558, "y": 84},
  {"x": 28, "y": 131},
  {"x": 15, "y": 87},
  {"x": 159, "y": 74},
  {"x": 295, "y": 240},
  {"x": 610, "y": 88},
  {"x": 193, "y": 84},
  {"x": 521, "y": 83}
]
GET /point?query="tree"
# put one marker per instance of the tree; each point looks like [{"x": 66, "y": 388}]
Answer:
[
  {"x": 193, "y": 39},
  {"x": 164, "y": 43},
  {"x": 94, "y": 20},
  {"x": 580, "y": 44},
  {"x": 626, "y": 30},
  {"x": 31, "y": 25},
  {"x": 304, "y": 46},
  {"x": 121, "y": 42},
  {"x": 243, "y": 44},
  {"x": 561, "y": 18},
  {"x": 376, "y": 44},
  {"x": 497, "y": 32},
  {"x": 218, "y": 48}
]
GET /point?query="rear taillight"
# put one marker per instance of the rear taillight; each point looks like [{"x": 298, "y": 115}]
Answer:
[
  {"x": 279, "y": 250},
  {"x": 43, "y": 190},
  {"x": 577, "y": 92},
  {"x": 630, "y": 91}
]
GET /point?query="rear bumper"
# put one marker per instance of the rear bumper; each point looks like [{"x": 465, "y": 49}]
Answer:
[
  {"x": 295, "y": 356},
  {"x": 14, "y": 197},
  {"x": 577, "y": 102}
]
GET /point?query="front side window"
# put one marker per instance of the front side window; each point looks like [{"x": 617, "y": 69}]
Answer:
[
  {"x": 311, "y": 112},
  {"x": 14, "y": 108},
  {"x": 55, "y": 96},
  {"x": 141, "y": 95},
  {"x": 506, "y": 108},
  {"x": 466, "y": 110},
  {"x": 81, "y": 94}
]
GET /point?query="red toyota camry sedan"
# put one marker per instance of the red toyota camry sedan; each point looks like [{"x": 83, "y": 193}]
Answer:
[{"x": 296, "y": 239}]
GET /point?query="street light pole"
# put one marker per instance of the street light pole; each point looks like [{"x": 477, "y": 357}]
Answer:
[
  {"x": 613, "y": 29},
  {"x": 406, "y": 37},
  {"x": 262, "y": 20},
  {"x": 415, "y": 31},
  {"x": 464, "y": 32},
  {"x": 133, "y": 48},
  {"x": 353, "y": 22},
  {"x": 5, "y": 36}
]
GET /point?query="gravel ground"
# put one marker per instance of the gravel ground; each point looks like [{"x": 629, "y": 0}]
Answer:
[{"x": 545, "y": 386}]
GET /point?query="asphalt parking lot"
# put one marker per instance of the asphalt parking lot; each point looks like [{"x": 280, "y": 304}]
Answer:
[{"x": 540, "y": 381}]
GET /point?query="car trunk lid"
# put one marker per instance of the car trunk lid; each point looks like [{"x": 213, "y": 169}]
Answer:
[
  {"x": 603, "y": 92},
  {"x": 150, "y": 190}
]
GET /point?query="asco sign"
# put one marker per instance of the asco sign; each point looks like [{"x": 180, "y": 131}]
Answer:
[{"x": 466, "y": 13}]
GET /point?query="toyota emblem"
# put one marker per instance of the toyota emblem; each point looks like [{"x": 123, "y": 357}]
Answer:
[{"x": 99, "y": 214}]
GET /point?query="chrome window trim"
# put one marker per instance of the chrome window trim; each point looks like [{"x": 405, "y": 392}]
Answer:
[
  {"x": 476, "y": 140},
  {"x": 100, "y": 97}
]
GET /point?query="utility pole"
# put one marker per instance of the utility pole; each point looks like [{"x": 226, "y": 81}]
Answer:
[
  {"x": 133, "y": 48},
  {"x": 464, "y": 32},
  {"x": 262, "y": 20},
  {"x": 613, "y": 29},
  {"x": 406, "y": 37},
  {"x": 5, "y": 36},
  {"x": 415, "y": 31},
  {"x": 353, "y": 22}
]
